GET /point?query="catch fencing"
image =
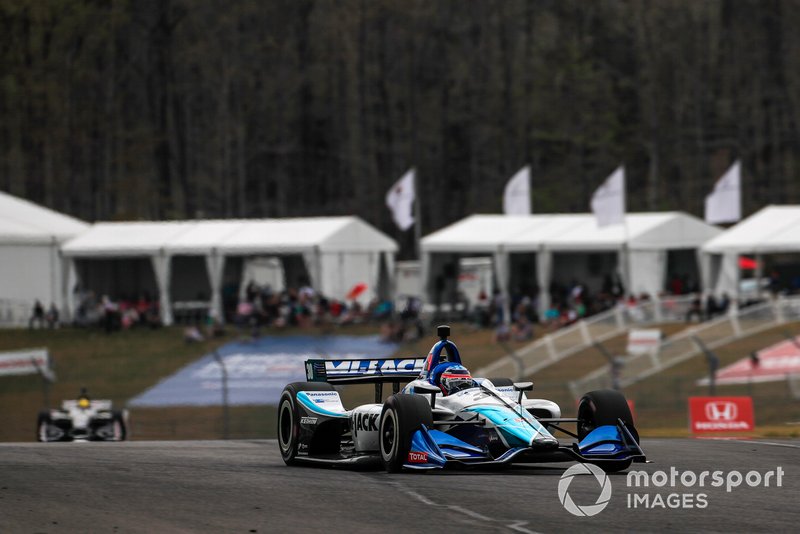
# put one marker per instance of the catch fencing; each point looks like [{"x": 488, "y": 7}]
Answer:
[
  {"x": 572, "y": 339},
  {"x": 738, "y": 323}
]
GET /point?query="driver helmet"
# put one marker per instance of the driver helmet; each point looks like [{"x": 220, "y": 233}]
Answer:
[
  {"x": 83, "y": 400},
  {"x": 455, "y": 378}
]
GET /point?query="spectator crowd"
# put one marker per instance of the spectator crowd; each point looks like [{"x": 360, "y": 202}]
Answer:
[{"x": 259, "y": 307}]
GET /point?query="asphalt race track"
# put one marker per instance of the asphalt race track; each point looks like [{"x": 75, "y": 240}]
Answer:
[{"x": 243, "y": 486}]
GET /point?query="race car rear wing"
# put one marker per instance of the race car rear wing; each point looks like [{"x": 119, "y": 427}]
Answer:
[
  {"x": 68, "y": 405},
  {"x": 370, "y": 371}
]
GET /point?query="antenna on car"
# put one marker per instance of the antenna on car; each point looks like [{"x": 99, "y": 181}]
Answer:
[{"x": 443, "y": 331}]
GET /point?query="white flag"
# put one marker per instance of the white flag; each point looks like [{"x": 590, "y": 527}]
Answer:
[
  {"x": 400, "y": 200},
  {"x": 608, "y": 202},
  {"x": 724, "y": 204},
  {"x": 517, "y": 195}
]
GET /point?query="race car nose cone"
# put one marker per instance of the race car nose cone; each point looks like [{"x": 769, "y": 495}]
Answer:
[{"x": 544, "y": 443}]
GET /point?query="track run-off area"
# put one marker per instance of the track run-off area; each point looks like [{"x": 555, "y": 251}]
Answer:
[{"x": 243, "y": 486}]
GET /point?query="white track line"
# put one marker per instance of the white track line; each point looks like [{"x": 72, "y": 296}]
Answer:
[
  {"x": 774, "y": 444},
  {"x": 512, "y": 524}
]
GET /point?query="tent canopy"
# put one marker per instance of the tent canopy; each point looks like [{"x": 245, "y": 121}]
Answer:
[
  {"x": 128, "y": 239},
  {"x": 23, "y": 222},
  {"x": 336, "y": 252},
  {"x": 480, "y": 233},
  {"x": 565, "y": 232},
  {"x": 230, "y": 237},
  {"x": 771, "y": 230},
  {"x": 640, "y": 245},
  {"x": 642, "y": 231}
]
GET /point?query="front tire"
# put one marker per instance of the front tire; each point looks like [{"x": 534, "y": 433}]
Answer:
[
  {"x": 289, "y": 418},
  {"x": 42, "y": 425},
  {"x": 402, "y": 415},
  {"x": 605, "y": 407}
]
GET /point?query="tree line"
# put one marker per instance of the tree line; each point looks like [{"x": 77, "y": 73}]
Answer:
[{"x": 153, "y": 109}]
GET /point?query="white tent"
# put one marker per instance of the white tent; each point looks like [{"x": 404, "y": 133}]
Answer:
[
  {"x": 338, "y": 252},
  {"x": 772, "y": 230},
  {"x": 645, "y": 239},
  {"x": 30, "y": 266}
]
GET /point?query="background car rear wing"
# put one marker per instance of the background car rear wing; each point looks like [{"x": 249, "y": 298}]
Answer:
[
  {"x": 371, "y": 371},
  {"x": 68, "y": 405}
]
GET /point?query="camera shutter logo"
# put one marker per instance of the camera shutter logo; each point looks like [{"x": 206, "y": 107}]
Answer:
[
  {"x": 590, "y": 509},
  {"x": 721, "y": 411}
]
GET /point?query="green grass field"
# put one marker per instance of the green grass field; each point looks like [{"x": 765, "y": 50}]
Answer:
[{"x": 122, "y": 365}]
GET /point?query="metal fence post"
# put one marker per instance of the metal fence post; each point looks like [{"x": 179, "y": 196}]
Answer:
[
  {"x": 48, "y": 377},
  {"x": 587, "y": 336},
  {"x": 777, "y": 305},
  {"x": 225, "y": 414},
  {"x": 619, "y": 317}
]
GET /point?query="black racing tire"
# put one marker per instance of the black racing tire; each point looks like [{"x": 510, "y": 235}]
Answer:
[
  {"x": 605, "y": 407},
  {"x": 120, "y": 429},
  {"x": 402, "y": 415},
  {"x": 42, "y": 423},
  {"x": 289, "y": 418},
  {"x": 501, "y": 382}
]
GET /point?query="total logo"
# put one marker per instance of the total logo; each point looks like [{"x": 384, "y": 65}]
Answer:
[
  {"x": 722, "y": 411},
  {"x": 417, "y": 457}
]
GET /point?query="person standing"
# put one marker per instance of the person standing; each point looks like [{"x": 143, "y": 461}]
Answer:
[{"x": 37, "y": 316}]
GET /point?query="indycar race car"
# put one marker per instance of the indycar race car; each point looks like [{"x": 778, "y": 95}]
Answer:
[
  {"x": 443, "y": 417},
  {"x": 83, "y": 420}
]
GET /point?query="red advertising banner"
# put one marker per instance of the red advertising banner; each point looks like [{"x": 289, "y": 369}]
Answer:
[
  {"x": 774, "y": 363},
  {"x": 721, "y": 414}
]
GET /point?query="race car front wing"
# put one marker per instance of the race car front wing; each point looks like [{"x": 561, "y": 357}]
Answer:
[{"x": 433, "y": 449}]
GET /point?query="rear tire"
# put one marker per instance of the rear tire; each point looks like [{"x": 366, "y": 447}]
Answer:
[
  {"x": 120, "y": 430},
  {"x": 402, "y": 415},
  {"x": 605, "y": 407},
  {"x": 289, "y": 418}
]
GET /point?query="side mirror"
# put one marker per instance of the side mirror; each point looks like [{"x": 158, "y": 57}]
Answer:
[
  {"x": 521, "y": 387},
  {"x": 428, "y": 389}
]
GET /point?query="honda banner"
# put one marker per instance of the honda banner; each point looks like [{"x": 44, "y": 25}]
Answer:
[
  {"x": 23, "y": 362},
  {"x": 720, "y": 414}
]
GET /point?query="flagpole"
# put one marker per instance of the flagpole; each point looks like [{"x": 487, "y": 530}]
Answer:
[
  {"x": 417, "y": 217},
  {"x": 626, "y": 249},
  {"x": 418, "y": 235}
]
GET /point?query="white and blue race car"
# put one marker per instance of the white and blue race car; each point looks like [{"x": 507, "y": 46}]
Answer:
[{"x": 443, "y": 417}]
